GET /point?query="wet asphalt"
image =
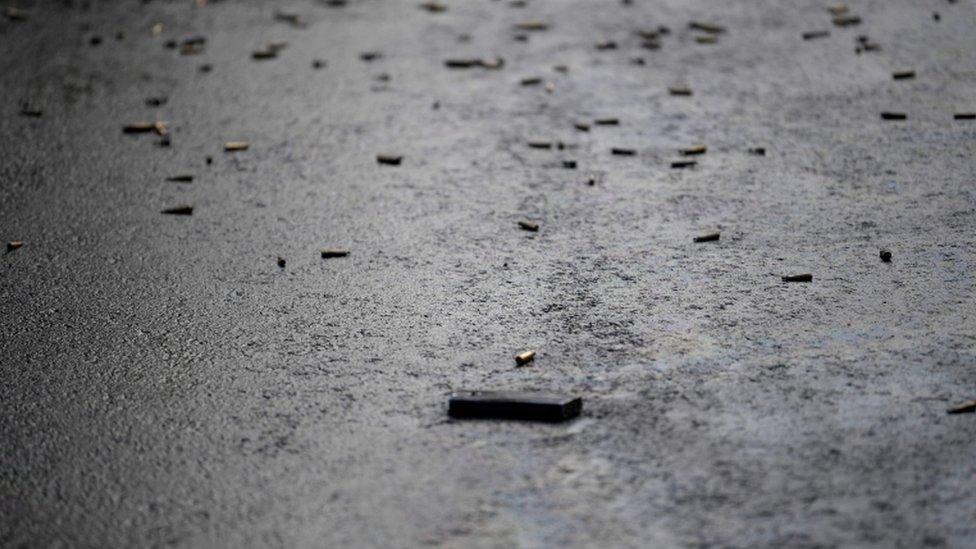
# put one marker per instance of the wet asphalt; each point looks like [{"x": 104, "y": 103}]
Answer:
[{"x": 165, "y": 382}]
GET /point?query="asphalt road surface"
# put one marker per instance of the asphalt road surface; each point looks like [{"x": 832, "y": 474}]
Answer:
[{"x": 164, "y": 382}]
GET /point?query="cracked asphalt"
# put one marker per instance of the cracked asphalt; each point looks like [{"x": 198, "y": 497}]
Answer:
[{"x": 163, "y": 382}]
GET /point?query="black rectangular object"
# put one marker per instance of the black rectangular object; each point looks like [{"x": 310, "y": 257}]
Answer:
[{"x": 513, "y": 405}]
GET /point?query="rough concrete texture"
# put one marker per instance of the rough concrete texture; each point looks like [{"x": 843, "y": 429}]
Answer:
[{"x": 163, "y": 382}]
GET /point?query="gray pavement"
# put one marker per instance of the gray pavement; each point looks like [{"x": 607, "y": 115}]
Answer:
[{"x": 164, "y": 382}]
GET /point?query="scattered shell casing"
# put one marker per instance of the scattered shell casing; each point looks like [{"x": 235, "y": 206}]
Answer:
[
  {"x": 837, "y": 9},
  {"x": 798, "y": 278},
  {"x": 620, "y": 151},
  {"x": 235, "y": 146},
  {"x": 179, "y": 210},
  {"x": 180, "y": 179},
  {"x": 680, "y": 91},
  {"x": 582, "y": 127},
  {"x": 711, "y": 237},
  {"x": 812, "y": 35},
  {"x": 903, "y": 75},
  {"x": 681, "y": 164},
  {"x": 531, "y": 81},
  {"x": 329, "y": 253},
  {"x": 524, "y": 358},
  {"x": 964, "y": 116},
  {"x": 607, "y": 121},
  {"x": 532, "y": 26},
  {"x": 694, "y": 149},
  {"x": 964, "y": 408},
  {"x": 389, "y": 159},
  {"x": 569, "y": 164},
  {"x": 139, "y": 127},
  {"x": 540, "y": 144},
  {"x": 758, "y": 151},
  {"x": 706, "y": 39},
  {"x": 706, "y": 27},
  {"x": 893, "y": 116},
  {"x": 14, "y": 244},
  {"x": 433, "y": 6},
  {"x": 846, "y": 20},
  {"x": 530, "y": 226}
]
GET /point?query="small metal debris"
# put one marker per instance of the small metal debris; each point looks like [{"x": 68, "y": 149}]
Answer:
[
  {"x": 333, "y": 253},
  {"x": 711, "y": 237},
  {"x": 680, "y": 91},
  {"x": 208, "y": 160},
  {"x": 156, "y": 101},
  {"x": 639, "y": 61},
  {"x": 694, "y": 150},
  {"x": 846, "y": 20},
  {"x": 31, "y": 112},
  {"x": 813, "y": 35},
  {"x": 837, "y": 9},
  {"x": 179, "y": 210},
  {"x": 893, "y": 116},
  {"x": 682, "y": 164},
  {"x": 706, "y": 39},
  {"x": 433, "y": 6},
  {"x": 885, "y": 255},
  {"x": 964, "y": 408},
  {"x": 533, "y": 81},
  {"x": 492, "y": 64},
  {"x": 582, "y": 127},
  {"x": 561, "y": 68},
  {"x": 270, "y": 51},
  {"x": 510, "y": 405},
  {"x": 540, "y": 144},
  {"x": 532, "y": 26},
  {"x": 15, "y": 14},
  {"x": 798, "y": 278},
  {"x": 524, "y": 358},
  {"x": 371, "y": 56},
  {"x": 318, "y": 64},
  {"x": 758, "y": 151},
  {"x": 964, "y": 116},
  {"x": 549, "y": 87},
  {"x": 706, "y": 27},
  {"x": 205, "y": 68},
  {"x": 620, "y": 151},
  {"x": 180, "y": 179},
  {"x": 530, "y": 226},
  {"x": 569, "y": 164},
  {"x": 606, "y": 121},
  {"x": 903, "y": 75},
  {"x": 146, "y": 127},
  {"x": 235, "y": 146},
  {"x": 281, "y": 262},
  {"x": 606, "y": 45},
  {"x": 14, "y": 245},
  {"x": 389, "y": 159},
  {"x": 164, "y": 141},
  {"x": 95, "y": 40}
]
